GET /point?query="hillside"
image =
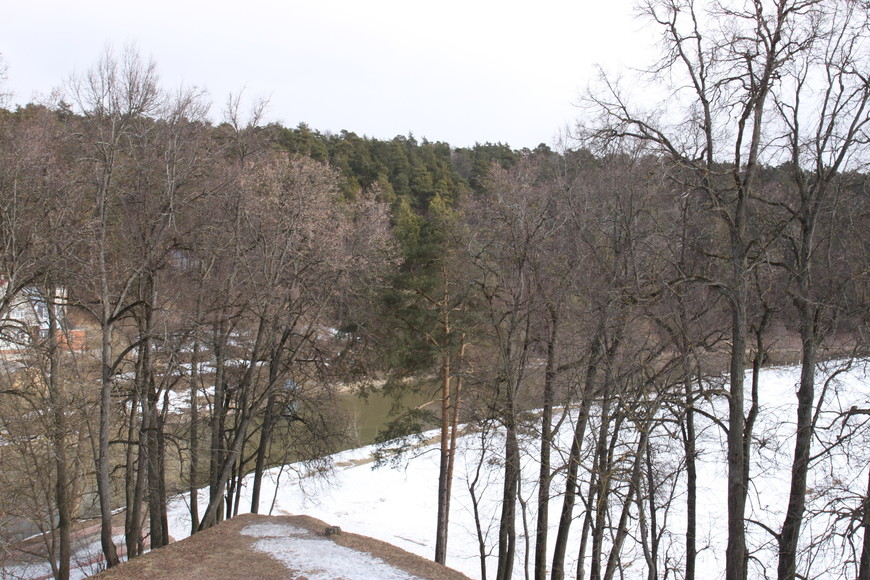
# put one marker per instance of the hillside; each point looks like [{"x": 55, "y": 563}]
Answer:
[
  {"x": 399, "y": 505},
  {"x": 278, "y": 547}
]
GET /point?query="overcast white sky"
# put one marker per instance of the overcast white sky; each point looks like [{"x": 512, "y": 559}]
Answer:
[{"x": 461, "y": 71}]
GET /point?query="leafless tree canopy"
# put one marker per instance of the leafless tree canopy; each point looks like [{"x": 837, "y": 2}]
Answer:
[{"x": 183, "y": 304}]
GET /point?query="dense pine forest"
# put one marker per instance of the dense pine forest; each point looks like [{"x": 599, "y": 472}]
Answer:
[{"x": 185, "y": 301}]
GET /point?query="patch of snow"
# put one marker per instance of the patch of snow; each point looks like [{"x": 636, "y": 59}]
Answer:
[
  {"x": 87, "y": 560},
  {"x": 203, "y": 368},
  {"x": 179, "y": 401},
  {"x": 319, "y": 558},
  {"x": 274, "y": 531}
]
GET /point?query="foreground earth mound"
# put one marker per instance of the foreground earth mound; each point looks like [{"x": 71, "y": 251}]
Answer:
[{"x": 280, "y": 547}]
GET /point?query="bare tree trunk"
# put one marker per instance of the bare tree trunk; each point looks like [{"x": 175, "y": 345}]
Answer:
[
  {"x": 603, "y": 472},
  {"x": 235, "y": 497},
  {"x": 262, "y": 449},
  {"x": 524, "y": 511},
  {"x": 132, "y": 476},
  {"x": 571, "y": 489},
  {"x": 633, "y": 490},
  {"x": 217, "y": 456},
  {"x": 232, "y": 460},
  {"x": 475, "y": 503},
  {"x": 113, "y": 97},
  {"x": 194, "y": 432},
  {"x": 103, "y": 483},
  {"x": 689, "y": 445},
  {"x": 152, "y": 423},
  {"x": 156, "y": 497},
  {"x": 571, "y": 484},
  {"x": 161, "y": 490},
  {"x": 135, "y": 470},
  {"x": 836, "y": 132},
  {"x": 107, "y": 327},
  {"x": 794, "y": 514},
  {"x": 58, "y": 436},
  {"x": 230, "y": 493},
  {"x": 864, "y": 569},
  {"x": 735, "y": 550},
  {"x": 653, "y": 552},
  {"x": 210, "y": 517},
  {"x": 586, "y": 528},
  {"x": 443, "y": 516},
  {"x": 507, "y": 535},
  {"x": 454, "y": 424},
  {"x": 545, "y": 475},
  {"x": 138, "y": 515}
]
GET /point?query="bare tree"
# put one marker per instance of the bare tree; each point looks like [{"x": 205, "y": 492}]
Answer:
[
  {"x": 41, "y": 216},
  {"x": 115, "y": 98},
  {"x": 301, "y": 248},
  {"x": 511, "y": 230},
  {"x": 168, "y": 186},
  {"x": 823, "y": 107},
  {"x": 725, "y": 77},
  {"x": 689, "y": 317}
]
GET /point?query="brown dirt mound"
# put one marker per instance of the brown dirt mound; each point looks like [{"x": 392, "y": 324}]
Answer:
[{"x": 222, "y": 552}]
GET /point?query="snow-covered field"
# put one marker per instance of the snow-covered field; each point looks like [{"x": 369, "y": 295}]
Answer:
[{"x": 398, "y": 505}]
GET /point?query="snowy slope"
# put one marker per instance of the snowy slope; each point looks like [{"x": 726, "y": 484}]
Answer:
[{"x": 399, "y": 505}]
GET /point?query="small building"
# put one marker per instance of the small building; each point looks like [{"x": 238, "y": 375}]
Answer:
[{"x": 24, "y": 319}]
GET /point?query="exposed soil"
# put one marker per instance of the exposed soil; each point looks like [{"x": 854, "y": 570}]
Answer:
[{"x": 222, "y": 552}]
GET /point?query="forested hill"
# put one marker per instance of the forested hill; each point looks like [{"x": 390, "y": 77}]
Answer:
[{"x": 401, "y": 167}]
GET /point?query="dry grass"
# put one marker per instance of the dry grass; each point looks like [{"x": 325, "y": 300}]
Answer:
[{"x": 223, "y": 553}]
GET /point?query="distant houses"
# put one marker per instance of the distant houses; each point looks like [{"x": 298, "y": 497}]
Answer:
[{"x": 24, "y": 320}]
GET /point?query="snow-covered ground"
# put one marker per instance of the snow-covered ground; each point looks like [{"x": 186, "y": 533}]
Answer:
[
  {"x": 398, "y": 505},
  {"x": 299, "y": 549}
]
